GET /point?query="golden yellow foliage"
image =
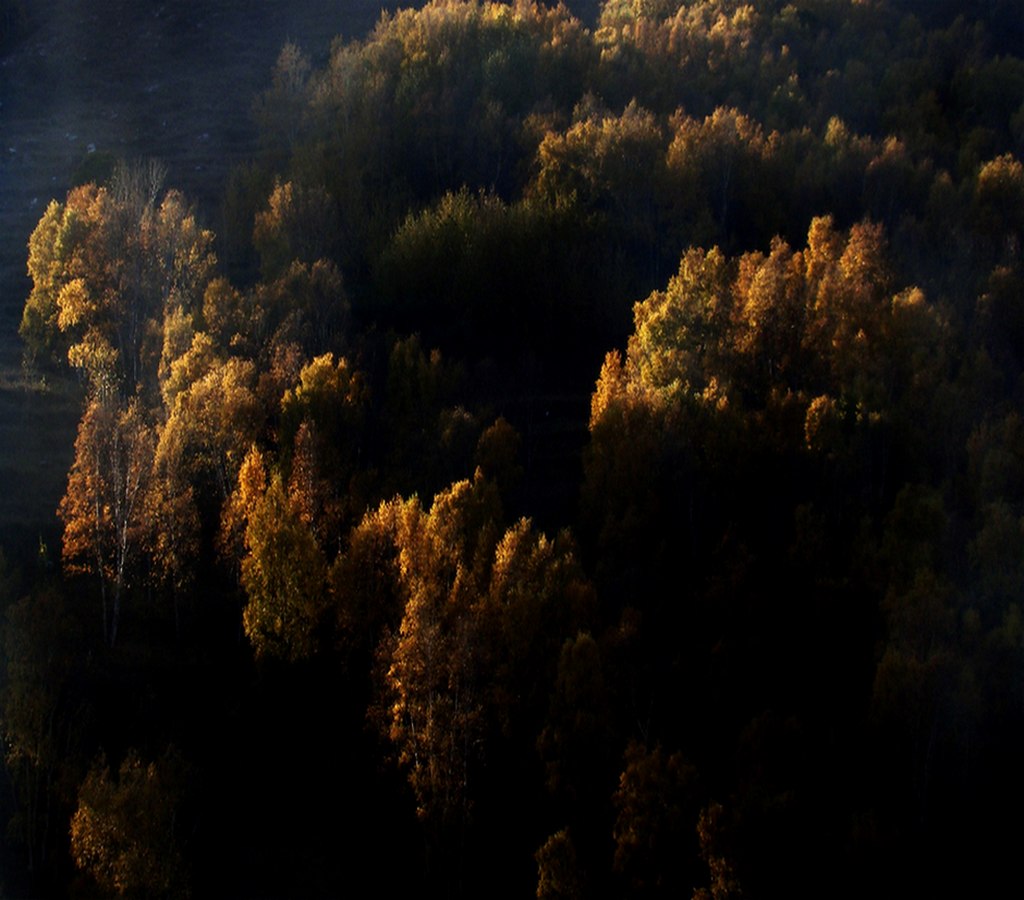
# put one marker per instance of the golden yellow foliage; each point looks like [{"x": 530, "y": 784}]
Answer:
[
  {"x": 283, "y": 572},
  {"x": 104, "y": 506}
]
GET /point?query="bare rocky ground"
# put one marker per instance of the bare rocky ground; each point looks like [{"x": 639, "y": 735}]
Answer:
[{"x": 171, "y": 80}]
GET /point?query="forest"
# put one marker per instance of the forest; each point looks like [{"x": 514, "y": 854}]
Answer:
[{"x": 578, "y": 454}]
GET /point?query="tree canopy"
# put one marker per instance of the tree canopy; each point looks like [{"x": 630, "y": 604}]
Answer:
[{"x": 591, "y": 455}]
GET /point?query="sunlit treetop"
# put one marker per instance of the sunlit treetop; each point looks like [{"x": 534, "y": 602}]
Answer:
[{"x": 105, "y": 264}]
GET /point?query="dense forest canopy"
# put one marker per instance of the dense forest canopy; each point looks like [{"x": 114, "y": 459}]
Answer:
[{"x": 581, "y": 457}]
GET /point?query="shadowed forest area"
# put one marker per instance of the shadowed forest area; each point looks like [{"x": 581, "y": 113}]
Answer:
[{"x": 511, "y": 450}]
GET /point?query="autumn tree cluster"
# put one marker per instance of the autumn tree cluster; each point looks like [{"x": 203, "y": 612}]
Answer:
[{"x": 351, "y": 582}]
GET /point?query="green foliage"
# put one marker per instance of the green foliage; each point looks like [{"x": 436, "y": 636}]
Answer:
[
  {"x": 280, "y": 110},
  {"x": 323, "y": 429},
  {"x": 496, "y": 456},
  {"x": 284, "y": 576},
  {"x": 602, "y": 160},
  {"x": 425, "y": 437},
  {"x": 297, "y": 226},
  {"x": 727, "y": 169},
  {"x": 999, "y": 198},
  {"x": 328, "y": 395},
  {"x": 455, "y": 268},
  {"x": 432, "y": 100}
]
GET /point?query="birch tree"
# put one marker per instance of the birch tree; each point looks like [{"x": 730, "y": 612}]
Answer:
[{"x": 104, "y": 506}]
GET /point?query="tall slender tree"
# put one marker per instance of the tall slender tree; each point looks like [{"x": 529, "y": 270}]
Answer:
[{"x": 104, "y": 506}]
